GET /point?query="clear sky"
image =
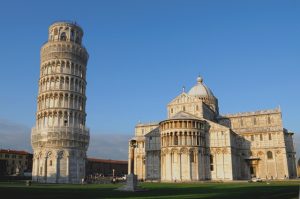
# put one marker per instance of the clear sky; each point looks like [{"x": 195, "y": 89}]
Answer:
[{"x": 143, "y": 52}]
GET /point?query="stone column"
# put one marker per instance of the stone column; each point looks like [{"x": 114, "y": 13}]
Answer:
[
  {"x": 68, "y": 168},
  {"x": 189, "y": 166},
  {"x": 57, "y": 168},
  {"x": 45, "y": 169},
  {"x": 180, "y": 139},
  {"x": 196, "y": 164},
  {"x": 193, "y": 139},
  {"x": 180, "y": 166}
]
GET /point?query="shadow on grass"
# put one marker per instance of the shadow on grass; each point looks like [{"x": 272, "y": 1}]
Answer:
[{"x": 155, "y": 190}]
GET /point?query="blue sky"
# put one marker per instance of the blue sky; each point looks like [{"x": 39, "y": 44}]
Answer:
[{"x": 143, "y": 52}]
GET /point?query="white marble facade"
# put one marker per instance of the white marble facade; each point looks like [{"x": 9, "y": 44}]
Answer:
[
  {"x": 196, "y": 143},
  {"x": 60, "y": 138}
]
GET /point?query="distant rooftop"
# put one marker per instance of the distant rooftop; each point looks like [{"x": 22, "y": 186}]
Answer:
[
  {"x": 9, "y": 151},
  {"x": 107, "y": 161}
]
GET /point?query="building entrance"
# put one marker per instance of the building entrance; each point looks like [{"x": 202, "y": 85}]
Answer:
[{"x": 253, "y": 171}]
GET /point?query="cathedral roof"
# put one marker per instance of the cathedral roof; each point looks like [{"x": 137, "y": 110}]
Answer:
[
  {"x": 183, "y": 116},
  {"x": 201, "y": 90}
]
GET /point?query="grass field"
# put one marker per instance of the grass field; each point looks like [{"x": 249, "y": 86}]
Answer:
[{"x": 243, "y": 190}]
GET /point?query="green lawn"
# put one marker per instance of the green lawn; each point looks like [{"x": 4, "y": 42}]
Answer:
[{"x": 280, "y": 190}]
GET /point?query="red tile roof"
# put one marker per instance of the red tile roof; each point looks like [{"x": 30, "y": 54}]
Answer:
[
  {"x": 107, "y": 161},
  {"x": 8, "y": 151}
]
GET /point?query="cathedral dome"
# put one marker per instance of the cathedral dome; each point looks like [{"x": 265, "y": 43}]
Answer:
[{"x": 201, "y": 90}]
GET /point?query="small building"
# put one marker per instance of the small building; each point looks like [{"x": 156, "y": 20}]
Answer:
[
  {"x": 13, "y": 162},
  {"x": 106, "y": 167}
]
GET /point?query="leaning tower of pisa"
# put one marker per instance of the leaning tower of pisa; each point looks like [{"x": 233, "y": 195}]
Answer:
[{"x": 60, "y": 138}]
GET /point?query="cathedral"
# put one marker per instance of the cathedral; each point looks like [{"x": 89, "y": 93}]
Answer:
[{"x": 196, "y": 143}]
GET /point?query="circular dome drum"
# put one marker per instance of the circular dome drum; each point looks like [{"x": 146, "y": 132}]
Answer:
[{"x": 201, "y": 90}]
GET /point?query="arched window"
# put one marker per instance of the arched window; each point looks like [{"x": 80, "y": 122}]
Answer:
[
  {"x": 211, "y": 158},
  {"x": 176, "y": 139},
  {"x": 77, "y": 40},
  {"x": 241, "y": 122},
  {"x": 63, "y": 36},
  {"x": 183, "y": 108},
  {"x": 270, "y": 155},
  {"x": 192, "y": 159},
  {"x": 269, "y": 120},
  {"x": 65, "y": 121},
  {"x": 50, "y": 163},
  {"x": 55, "y": 31},
  {"x": 72, "y": 35},
  {"x": 250, "y": 153}
]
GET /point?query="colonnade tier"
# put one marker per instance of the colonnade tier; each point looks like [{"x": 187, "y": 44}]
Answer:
[
  {"x": 187, "y": 138},
  {"x": 61, "y": 100},
  {"x": 66, "y": 50},
  {"x": 60, "y": 118},
  {"x": 188, "y": 132},
  {"x": 66, "y": 83},
  {"x": 182, "y": 124},
  {"x": 63, "y": 66},
  {"x": 65, "y": 32},
  {"x": 58, "y": 153},
  {"x": 67, "y": 113},
  {"x": 66, "y": 137}
]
